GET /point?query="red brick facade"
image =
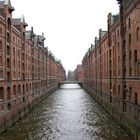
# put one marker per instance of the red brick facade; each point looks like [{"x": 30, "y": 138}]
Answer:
[
  {"x": 27, "y": 70},
  {"x": 79, "y": 73},
  {"x": 112, "y": 65}
]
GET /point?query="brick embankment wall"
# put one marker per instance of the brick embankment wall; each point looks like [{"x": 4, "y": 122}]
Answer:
[
  {"x": 130, "y": 126},
  {"x": 9, "y": 118}
]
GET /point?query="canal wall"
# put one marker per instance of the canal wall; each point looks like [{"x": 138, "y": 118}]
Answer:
[
  {"x": 17, "y": 111},
  {"x": 114, "y": 108}
]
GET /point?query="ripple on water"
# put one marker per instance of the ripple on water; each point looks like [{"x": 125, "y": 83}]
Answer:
[{"x": 67, "y": 114}]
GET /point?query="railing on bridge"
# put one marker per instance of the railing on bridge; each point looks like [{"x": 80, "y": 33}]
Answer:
[{"x": 70, "y": 82}]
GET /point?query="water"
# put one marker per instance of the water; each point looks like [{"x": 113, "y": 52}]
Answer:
[{"x": 68, "y": 114}]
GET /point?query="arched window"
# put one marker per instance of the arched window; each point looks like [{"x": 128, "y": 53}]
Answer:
[
  {"x": 8, "y": 23},
  {"x": 8, "y": 63},
  {"x": 9, "y": 106},
  {"x": 8, "y": 37},
  {"x": 130, "y": 93},
  {"x": 129, "y": 23},
  {"x": 8, "y": 50},
  {"x": 129, "y": 39},
  {"x": 1, "y": 93},
  {"x": 23, "y": 35},
  {"x": 135, "y": 56},
  {"x": 8, "y": 76},
  {"x": 14, "y": 56},
  {"x": 26, "y": 87},
  {"x": 23, "y": 99},
  {"x": 138, "y": 34},
  {"x": 23, "y": 89}
]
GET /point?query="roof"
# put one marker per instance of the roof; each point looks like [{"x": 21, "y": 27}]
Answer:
[
  {"x": 18, "y": 21},
  {"x": 6, "y": 3},
  {"x": 30, "y": 34}
]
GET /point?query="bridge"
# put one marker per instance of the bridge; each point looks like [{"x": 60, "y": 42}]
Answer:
[{"x": 70, "y": 82}]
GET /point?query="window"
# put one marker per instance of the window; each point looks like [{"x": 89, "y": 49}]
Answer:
[
  {"x": 129, "y": 39},
  {"x": 0, "y": 46},
  {"x": 1, "y": 30},
  {"x": 9, "y": 23},
  {"x": 129, "y": 23},
  {"x": 23, "y": 99},
  {"x": 14, "y": 57},
  {"x": 1, "y": 93},
  {"x": 14, "y": 90},
  {"x": 26, "y": 87},
  {"x": 119, "y": 90},
  {"x": 0, "y": 60},
  {"x": 136, "y": 98},
  {"x": 23, "y": 35},
  {"x": 8, "y": 50},
  {"x": 8, "y": 76},
  {"x": 8, "y": 63},
  {"x": 138, "y": 34},
  {"x": 118, "y": 32},
  {"x": 135, "y": 56},
  {"x": 1, "y": 74},
  {"x": 23, "y": 89},
  {"x": 9, "y": 106},
  {"x": 19, "y": 89},
  {"x": 8, "y": 37}
]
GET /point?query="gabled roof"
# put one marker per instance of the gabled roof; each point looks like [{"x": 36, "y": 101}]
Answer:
[{"x": 18, "y": 21}]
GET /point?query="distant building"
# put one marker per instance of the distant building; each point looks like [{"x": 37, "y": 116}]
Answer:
[
  {"x": 70, "y": 76},
  {"x": 79, "y": 73}
]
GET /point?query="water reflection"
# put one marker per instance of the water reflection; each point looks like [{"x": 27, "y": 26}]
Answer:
[{"x": 67, "y": 114}]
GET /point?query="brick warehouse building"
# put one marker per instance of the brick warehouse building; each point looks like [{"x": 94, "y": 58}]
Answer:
[
  {"x": 112, "y": 66},
  {"x": 27, "y": 70},
  {"x": 79, "y": 73}
]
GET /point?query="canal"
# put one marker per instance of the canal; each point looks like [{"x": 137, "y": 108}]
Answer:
[{"x": 67, "y": 114}]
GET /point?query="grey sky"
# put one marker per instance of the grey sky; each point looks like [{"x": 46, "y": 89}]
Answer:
[{"x": 70, "y": 26}]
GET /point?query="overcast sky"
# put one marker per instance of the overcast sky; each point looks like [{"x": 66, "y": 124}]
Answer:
[{"x": 70, "y": 26}]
